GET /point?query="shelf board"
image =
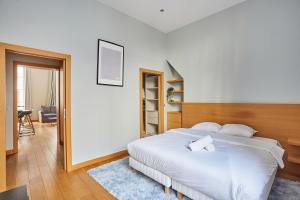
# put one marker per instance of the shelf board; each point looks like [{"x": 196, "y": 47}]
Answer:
[
  {"x": 151, "y": 110},
  {"x": 294, "y": 158},
  {"x": 152, "y": 88},
  {"x": 294, "y": 141},
  {"x": 175, "y": 81},
  {"x": 175, "y": 102},
  {"x": 177, "y": 92},
  {"x": 152, "y": 99},
  {"x": 150, "y": 134},
  {"x": 156, "y": 124}
]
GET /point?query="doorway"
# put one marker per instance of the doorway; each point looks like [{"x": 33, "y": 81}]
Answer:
[
  {"x": 63, "y": 112},
  {"x": 38, "y": 97},
  {"x": 151, "y": 102}
]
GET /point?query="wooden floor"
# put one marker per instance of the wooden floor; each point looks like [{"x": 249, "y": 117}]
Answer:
[{"x": 39, "y": 165}]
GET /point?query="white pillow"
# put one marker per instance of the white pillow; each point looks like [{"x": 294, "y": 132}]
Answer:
[
  {"x": 207, "y": 126},
  {"x": 237, "y": 130}
]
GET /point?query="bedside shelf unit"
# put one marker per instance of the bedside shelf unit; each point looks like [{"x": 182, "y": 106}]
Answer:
[
  {"x": 294, "y": 145},
  {"x": 294, "y": 141},
  {"x": 294, "y": 158}
]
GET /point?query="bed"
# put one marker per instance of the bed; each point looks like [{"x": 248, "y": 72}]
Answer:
[{"x": 244, "y": 167}]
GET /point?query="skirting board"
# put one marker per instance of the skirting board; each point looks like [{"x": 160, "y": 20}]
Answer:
[
  {"x": 10, "y": 152},
  {"x": 107, "y": 158}
]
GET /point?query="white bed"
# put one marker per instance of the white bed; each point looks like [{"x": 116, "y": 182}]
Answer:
[{"x": 240, "y": 168}]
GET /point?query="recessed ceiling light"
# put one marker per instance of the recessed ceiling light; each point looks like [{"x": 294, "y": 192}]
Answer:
[{"x": 162, "y": 10}]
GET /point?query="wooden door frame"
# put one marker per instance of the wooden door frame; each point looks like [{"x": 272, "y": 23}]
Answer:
[
  {"x": 161, "y": 102},
  {"x": 4, "y": 48},
  {"x": 15, "y": 116}
]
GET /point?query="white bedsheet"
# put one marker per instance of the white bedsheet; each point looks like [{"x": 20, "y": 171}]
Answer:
[{"x": 239, "y": 169}]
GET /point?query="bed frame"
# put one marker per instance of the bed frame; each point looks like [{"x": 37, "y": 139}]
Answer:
[
  {"x": 167, "y": 182},
  {"x": 278, "y": 121}
]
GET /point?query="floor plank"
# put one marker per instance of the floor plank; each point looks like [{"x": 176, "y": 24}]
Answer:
[{"x": 39, "y": 165}]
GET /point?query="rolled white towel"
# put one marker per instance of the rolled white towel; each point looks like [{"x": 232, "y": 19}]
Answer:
[
  {"x": 210, "y": 148},
  {"x": 201, "y": 143}
]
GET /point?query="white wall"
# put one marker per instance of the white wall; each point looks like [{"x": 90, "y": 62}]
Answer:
[
  {"x": 247, "y": 53},
  {"x": 10, "y": 58},
  {"x": 104, "y": 118}
]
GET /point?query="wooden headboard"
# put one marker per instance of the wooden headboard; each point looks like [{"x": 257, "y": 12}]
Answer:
[{"x": 278, "y": 121}]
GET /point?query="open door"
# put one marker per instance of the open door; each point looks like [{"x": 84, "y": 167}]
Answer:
[
  {"x": 62, "y": 110},
  {"x": 60, "y": 98}
]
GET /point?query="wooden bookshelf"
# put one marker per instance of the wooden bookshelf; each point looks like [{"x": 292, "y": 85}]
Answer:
[
  {"x": 151, "y": 111},
  {"x": 174, "y": 120}
]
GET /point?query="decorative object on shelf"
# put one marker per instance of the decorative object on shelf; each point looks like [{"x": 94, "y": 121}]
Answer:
[
  {"x": 110, "y": 64},
  {"x": 170, "y": 94}
]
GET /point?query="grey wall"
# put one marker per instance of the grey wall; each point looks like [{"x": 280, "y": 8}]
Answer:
[
  {"x": 247, "y": 53},
  {"x": 104, "y": 118}
]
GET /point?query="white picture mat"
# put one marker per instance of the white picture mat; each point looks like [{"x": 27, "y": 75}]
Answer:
[{"x": 108, "y": 64}]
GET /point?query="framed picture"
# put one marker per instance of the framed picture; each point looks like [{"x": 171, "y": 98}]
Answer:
[{"x": 110, "y": 64}]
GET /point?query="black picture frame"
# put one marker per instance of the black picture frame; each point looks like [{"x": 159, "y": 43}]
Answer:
[{"x": 100, "y": 81}]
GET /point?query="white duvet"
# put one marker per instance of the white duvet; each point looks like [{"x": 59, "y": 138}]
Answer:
[{"x": 240, "y": 168}]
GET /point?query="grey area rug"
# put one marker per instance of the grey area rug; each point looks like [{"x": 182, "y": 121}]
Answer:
[{"x": 126, "y": 184}]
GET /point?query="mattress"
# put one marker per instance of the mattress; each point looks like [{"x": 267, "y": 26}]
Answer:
[
  {"x": 152, "y": 173},
  {"x": 233, "y": 171}
]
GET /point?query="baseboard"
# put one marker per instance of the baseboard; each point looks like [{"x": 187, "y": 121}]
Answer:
[
  {"x": 10, "y": 152},
  {"x": 107, "y": 158}
]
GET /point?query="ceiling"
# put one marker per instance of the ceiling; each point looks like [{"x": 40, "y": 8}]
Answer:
[{"x": 177, "y": 14}]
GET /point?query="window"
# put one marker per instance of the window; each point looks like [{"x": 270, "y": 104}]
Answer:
[{"x": 21, "y": 88}]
